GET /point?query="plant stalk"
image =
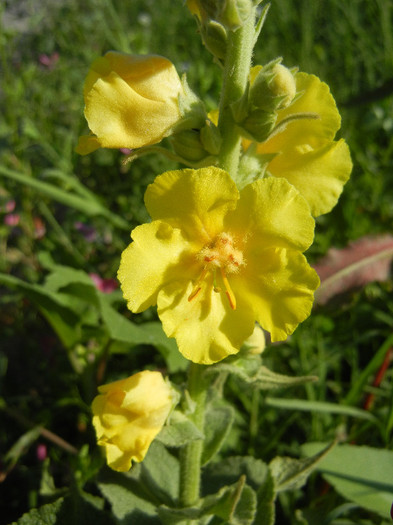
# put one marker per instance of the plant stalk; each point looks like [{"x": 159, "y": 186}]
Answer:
[
  {"x": 191, "y": 454},
  {"x": 236, "y": 70}
]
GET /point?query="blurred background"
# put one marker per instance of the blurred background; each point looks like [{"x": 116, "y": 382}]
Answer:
[{"x": 65, "y": 219}]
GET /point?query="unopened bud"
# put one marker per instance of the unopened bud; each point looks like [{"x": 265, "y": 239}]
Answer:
[
  {"x": 273, "y": 88},
  {"x": 215, "y": 38},
  {"x": 187, "y": 144},
  {"x": 258, "y": 124},
  {"x": 211, "y": 138},
  {"x": 256, "y": 343}
]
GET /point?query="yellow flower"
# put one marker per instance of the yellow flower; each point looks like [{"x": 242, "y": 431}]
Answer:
[
  {"x": 128, "y": 415},
  {"x": 307, "y": 156},
  {"x": 130, "y": 101},
  {"x": 214, "y": 261}
]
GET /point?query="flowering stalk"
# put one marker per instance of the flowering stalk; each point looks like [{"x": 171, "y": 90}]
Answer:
[
  {"x": 236, "y": 70},
  {"x": 190, "y": 458}
]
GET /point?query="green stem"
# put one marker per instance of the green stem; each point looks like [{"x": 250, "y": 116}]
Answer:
[
  {"x": 191, "y": 454},
  {"x": 236, "y": 70}
]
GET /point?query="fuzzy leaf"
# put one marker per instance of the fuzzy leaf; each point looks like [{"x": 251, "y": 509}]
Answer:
[
  {"x": 359, "y": 473},
  {"x": 235, "y": 504},
  {"x": 179, "y": 431},
  {"x": 364, "y": 261},
  {"x": 289, "y": 473},
  {"x": 72, "y": 509},
  {"x": 219, "y": 419}
]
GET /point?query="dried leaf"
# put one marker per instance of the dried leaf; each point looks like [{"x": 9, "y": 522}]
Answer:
[{"x": 364, "y": 261}]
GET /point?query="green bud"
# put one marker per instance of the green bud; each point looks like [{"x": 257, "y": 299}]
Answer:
[
  {"x": 233, "y": 13},
  {"x": 273, "y": 88},
  {"x": 258, "y": 124},
  {"x": 187, "y": 144},
  {"x": 215, "y": 38},
  {"x": 211, "y": 138},
  {"x": 256, "y": 343}
]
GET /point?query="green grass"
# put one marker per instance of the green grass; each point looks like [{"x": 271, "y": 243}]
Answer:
[{"x": 349, "y": 45}]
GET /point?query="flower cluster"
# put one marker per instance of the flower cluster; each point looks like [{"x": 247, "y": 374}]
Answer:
[{"x": 223, "y": 255}]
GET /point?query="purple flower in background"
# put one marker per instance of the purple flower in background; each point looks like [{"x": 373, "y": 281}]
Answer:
[
  {"x": 88, "y": 232},
  {"x": 12, "y": 219},
  {"x": 103, "y": 285},
  {"x": 49, "y": 61},
  {"x": 41, "y": 452}
]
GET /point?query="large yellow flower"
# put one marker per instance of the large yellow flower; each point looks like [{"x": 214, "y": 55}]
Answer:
[
  {"x": 130, "y": 101},
  {"x": 307, "y": 156},
  {"x": 128, "y": 415},
  {"x": 214, "y": 260}
]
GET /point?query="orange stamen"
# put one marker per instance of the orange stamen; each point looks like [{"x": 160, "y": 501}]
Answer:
[
  {"x": 229, "y": 292},
  {"x": 197, "y": 287}
]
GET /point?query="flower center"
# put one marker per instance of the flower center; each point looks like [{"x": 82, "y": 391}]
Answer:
[{"x": 220, "y": 254}]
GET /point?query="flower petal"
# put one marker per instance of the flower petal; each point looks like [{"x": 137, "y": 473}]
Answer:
[
  {"x": 273, "y": 212},
  {"x": 87, "y": 144},
  {"x": 206, "y": 328},
  {"x": 317, "y": 99},
  {"x": 120, "y": 117},
  {"x": 319, "y": 174},
  {"x": 150, "y": 262},
  {"x": 279, "y": 285},
  {"x": 194, "y": 200}
]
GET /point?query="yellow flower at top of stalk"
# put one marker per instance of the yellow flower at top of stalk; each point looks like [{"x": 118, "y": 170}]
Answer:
[
  {"x": 215, "y": 260},
  {"x": 130, "y": 101},
  {"x": 306, "y": 153}
]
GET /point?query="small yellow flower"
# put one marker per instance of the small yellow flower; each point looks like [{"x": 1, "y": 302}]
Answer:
[
  {"x": 307, "y": 156},
  {"x": 130, "y": 101},
  {"x": 214, "y": 261},
  {"x": 128, "y": 415}
]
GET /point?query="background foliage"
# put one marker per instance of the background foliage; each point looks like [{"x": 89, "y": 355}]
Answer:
[{"x": 64, "y": 217}]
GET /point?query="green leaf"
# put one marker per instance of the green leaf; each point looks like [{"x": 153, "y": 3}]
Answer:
[
  {"x": 71, "y": 509},
  {"x": 89, "y": 206},
  {"x": 236, "y": 505},
  {"x": 161, "y": 473},
  {"x": 266, "y": 496},
  {"x": 218, "y": 423},
  {"x": 130, "y": 499},
  {"x": 359, "y": 473},
  {"x": 54, "y": 306},
  {"x": 290, "y": 474},
  {"x": 256, "y": 376},
  {"x": 20, "y": 446},
  {"x": 229, "y": 470},
  {"x": 320, "y": 406},
  {"x": 179, "y": 431}
]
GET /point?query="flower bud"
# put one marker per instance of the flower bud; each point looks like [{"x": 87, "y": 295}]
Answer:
[
  {"x": 230, "y": 13},
  {"x": 187, "y": 144},
  {"x": 234, "y": 12},
  {"x": 258, "y": 124},
  {"x": 128, "y": 414},
  {"x": 214, "y": 37},
  {"x": 256, "y": 343},
  {"x": 272, "y": 88},
  {"x": 130, "y": 101},
  {"x": 211, "y": 138}
]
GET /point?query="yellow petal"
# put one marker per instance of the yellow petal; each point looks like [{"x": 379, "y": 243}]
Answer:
[
  {"x": 206, "y": 328},
  {"x": 120, "y": 117},
  {"x": 87, "y": 144},
  {"x": 319, "y": 174},
  {"x": 194, "y": 200},
  {"x": 150, "y": 262},
  {"x": 317, "y": 99},
  {"x": 279, "y": 285},
  {"x": 273, "y": 212}
]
